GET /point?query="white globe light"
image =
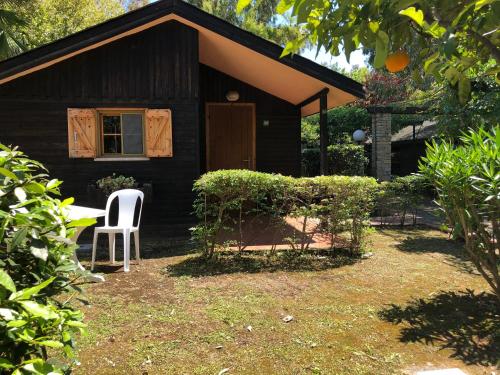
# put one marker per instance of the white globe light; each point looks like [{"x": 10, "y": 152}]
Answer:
[{"x": 358, "y": 135}]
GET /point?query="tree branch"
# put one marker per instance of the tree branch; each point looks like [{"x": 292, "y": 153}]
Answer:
[{"x": 495, "y": 51}]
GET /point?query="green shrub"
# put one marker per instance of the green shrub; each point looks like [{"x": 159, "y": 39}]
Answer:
[
  {"x": 114, "y": 183},
  {"x": 36, "y": 267},
  {"x": 348, "y": 204},
  {"x": 227, "y": 198},
  {"x": 346, "y": 159},
  {"x": 467, "y": 180},
  {"x": 402, "y": 195}
]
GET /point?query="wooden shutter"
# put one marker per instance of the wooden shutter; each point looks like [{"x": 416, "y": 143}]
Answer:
[
  {"x": 82, "y": 133},
  {"x": 159, "y": 133}
]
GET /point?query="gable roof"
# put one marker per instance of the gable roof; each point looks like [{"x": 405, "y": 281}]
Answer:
[{"x": 223, "y": 47}]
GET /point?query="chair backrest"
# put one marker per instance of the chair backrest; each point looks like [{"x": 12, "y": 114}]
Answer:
[{"x": 127, "y": 201}]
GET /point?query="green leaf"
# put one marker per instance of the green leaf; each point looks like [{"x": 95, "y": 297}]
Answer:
[
  {"x": 67, "y": 202},
  {"x": 16, "y": 323},
  {"x": 374, "y": 26},
  {"x": 52, "y": 184},
  {"x": 74, "y": 323},
  {"x": 414, "y": 14},
  {"x": 85, "y": 222},
  {"x": 463, "y": 90},
  {"x": 436, "y": 30},
  {"x": 19, "y": 237},
  {"x": 38, "y": 310},
  {"x": 28, "y": 292},
  {"x": 35, "y": 187},
  {"x": 4, "y": 363},
  {"x": 430, "y": 60},
  {"x": 8, "y": 174},
  {"x": 482, "y": 3},
  {"x": 51, "y": 343},
  {"x": 452, "y": 75},
  {"x": 450, "y": 47},
  {"x": 39, "y": 367},
  {"x": 283, "y": 6},
  {"x": 242, "y": 4},
  {"x": 381, "y": 46},
  {"x": 6, "y": 281},
  {"x": 289, "y": 48}
]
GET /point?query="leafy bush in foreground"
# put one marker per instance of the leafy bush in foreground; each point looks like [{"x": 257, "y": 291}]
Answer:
[
  {"x": 228, "y": 198},
  {"x": 36, "y": 269},
  {"x": 467, "y": 180}
]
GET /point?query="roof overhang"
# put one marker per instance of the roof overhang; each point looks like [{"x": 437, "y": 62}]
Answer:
[{"x": 222, "y": 46}]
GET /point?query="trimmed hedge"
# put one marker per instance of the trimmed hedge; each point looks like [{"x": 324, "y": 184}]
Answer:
[{"x": 226, "y": 199}]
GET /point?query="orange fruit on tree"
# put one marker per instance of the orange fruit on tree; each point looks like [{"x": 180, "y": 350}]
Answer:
[{"x": 397, "y": 61}]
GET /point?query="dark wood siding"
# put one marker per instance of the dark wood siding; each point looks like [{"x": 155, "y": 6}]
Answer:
[
  {"x": 157, "y": 68},
  {"x": 278, "y": 145}
]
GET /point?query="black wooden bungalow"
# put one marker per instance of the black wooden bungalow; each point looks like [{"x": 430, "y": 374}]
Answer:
[{"x": 163, "y": 94}]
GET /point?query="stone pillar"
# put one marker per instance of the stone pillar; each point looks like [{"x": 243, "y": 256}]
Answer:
[{"x": 381, "y": 146}]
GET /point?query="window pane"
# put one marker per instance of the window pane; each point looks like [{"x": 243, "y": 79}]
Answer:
[
  {"x": 112, "y": 144},
  {"x": 132, "y": 133},
  {"x": 111, "y": 124}
]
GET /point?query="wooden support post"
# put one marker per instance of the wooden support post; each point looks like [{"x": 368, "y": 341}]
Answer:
[{"x": 323, "y": 134}]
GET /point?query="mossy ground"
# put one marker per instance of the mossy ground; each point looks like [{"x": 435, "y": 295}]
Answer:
[{"x": 403, "y": 309}]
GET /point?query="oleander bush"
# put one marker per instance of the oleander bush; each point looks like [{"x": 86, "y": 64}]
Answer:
[
  {"x": 227, "y": 199},
  {"x": 467, "y": 180},
  {"x": 37, "y": 274}
]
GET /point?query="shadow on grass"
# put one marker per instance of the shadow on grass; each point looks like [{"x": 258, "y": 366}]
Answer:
[
  {"x": 420, "y": 243},
  {"x": 151, "y": 248},
  {"x": 454, "y": 250},
  {"x": 255, "y": 262},
  {"x": 466, "y": 323}
]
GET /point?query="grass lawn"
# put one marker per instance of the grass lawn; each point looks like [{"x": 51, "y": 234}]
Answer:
[{"x": 408, "y": 307}]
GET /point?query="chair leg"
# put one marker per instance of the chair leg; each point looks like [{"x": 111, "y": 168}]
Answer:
[
  {"x": 136, "y": 245},
  {"x": 94, "y": 249},
  {"x": 126, "y": 250},
  {"x": 111, "y": 240}
]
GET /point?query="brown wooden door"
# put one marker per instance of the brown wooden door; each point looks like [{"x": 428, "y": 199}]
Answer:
[{"x": 230, "y": 136}]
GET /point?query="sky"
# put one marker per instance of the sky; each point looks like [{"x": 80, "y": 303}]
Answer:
[{"x": 325, "y": 58}]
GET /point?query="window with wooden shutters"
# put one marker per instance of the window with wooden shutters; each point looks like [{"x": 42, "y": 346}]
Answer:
[
  {"x": 159, "y": 133},
  {"x": 82, "y": 133},
  {"x": 119, "y": 134}
]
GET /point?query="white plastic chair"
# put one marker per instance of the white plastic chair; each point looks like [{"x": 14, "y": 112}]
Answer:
[{"x": 127, "y": 201}]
